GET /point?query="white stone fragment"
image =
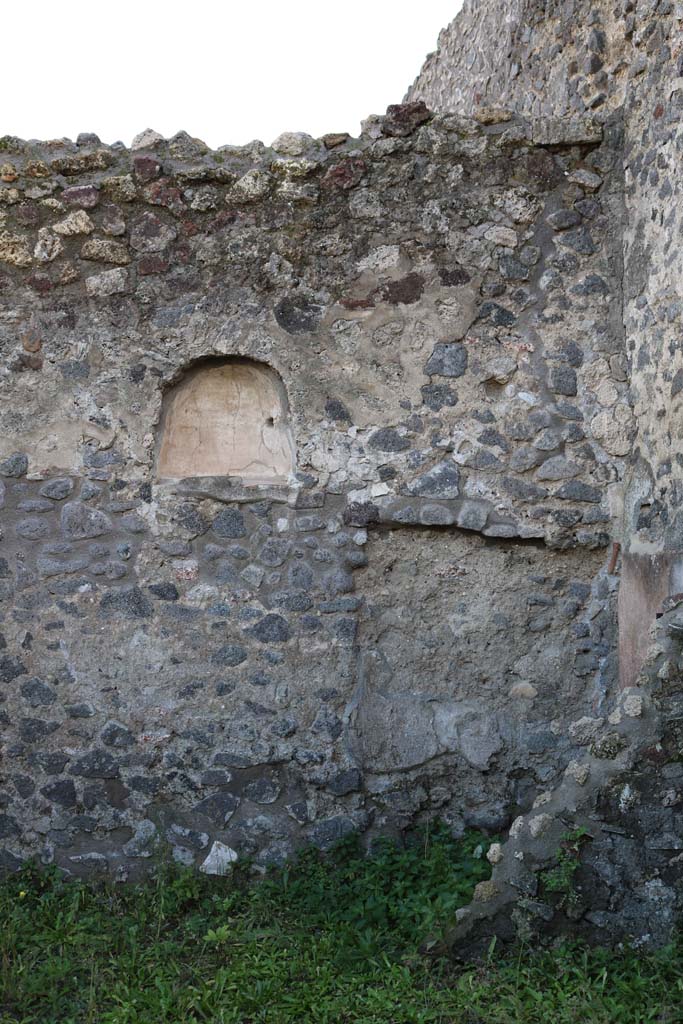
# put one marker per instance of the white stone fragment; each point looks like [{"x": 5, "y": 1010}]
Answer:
[
  {"x": 627, "y": 799},
  {"x": 292, "y": 143},
  {"x": 613, "y": 428},
  {"x": 147, "y": 139},
  {"x": 578, "y": 772},
  {"x": 501, "y": 236},
  {"x": 110, "y": 282},
  {"x": 539, "y": 825},
  {"x": 182, "y": 856},
  {"x": 542, "y": 799},
  {"x": 584, "y": 730},
  {"x": 220, "y": 860},
  {"x": 48, "y": 247},
  {"x": 517, "y": 827},
  {"x": 585, "y": 179},
  {"x": 633, "y": 705},
  {"x": 382, "y": 258},
  {"x": 253, "y": 185},
  {"x": 523, "y": 691},
  {"x": 495, "y": 853}
]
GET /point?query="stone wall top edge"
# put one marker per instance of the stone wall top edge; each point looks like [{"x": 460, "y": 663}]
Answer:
[{"x": 68, "y": 159}]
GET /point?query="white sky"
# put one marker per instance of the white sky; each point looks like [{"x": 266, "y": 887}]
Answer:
[{"x": 225, "y": 72}]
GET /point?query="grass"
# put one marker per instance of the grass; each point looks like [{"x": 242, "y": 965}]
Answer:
[{"x": 330, "y": 940}]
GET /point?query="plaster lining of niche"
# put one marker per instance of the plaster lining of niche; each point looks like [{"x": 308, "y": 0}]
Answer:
[{"x": 226, "y": 419}]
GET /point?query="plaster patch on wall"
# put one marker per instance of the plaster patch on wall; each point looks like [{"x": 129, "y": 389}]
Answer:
[{"x": 226, "y": 419}]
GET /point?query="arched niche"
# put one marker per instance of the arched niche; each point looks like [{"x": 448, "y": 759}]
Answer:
[{"x": 226, "y": 418}]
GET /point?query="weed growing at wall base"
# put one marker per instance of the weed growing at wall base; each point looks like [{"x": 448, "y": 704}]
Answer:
[{"x": 326, "y": 939}]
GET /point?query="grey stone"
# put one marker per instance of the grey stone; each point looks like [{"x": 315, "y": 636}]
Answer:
[
  {"x": 117, "y": 735},
  {"x": 563, "y": 219},
  {"x": 62, "y": 792},
  {"x": 81, "y": 710},
  {"x": 345, "y": 782},
  {"x": 37, "y": 693},
  {"x": 35, "y": 505},
  {"x": 48, "y": 567},
  {"x": 272, "y": 629},
  {"x": 472, "y": 515},
  {"x": 388, "y": 439},
  {"x": 298, "y": 314},
  {"x": 32, "y": 528},
  {"x": 11, "y": 668},
  {"x": 220, "y": 860},
  {"x": 80, "y": 522},
  {"x": 218, "y": 808},
  {"x": 143, "y": 841},
  {"x": 262, "y": 791},
  {"x": 327, "y": 833},
  {"x": 575, "y": 490},
  {"x": 449, "y": 359},
  {"x": 229, "y": 656},
  {"x": 32, "y": 730},
  {"x": 14, "y": 466},
  {"x": 562, "y": 381},
  {"x": 129, "y": 602},
  {"x": 96, "y": 764},
  {"x": 133, "y": 523},
  {"x": 164, "y": 591},
  {"x": 557, "y": 468},
  {"x": 229, "y": 524},
  {"x": 111, "y": 569},
  {"x": 442, "y": 481},
  {"x": 436, "y": 515}
]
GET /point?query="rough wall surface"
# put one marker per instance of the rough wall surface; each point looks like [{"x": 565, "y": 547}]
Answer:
[
  {"x": 470, "y": 328},
  {"x": 541, "y": 58},
  {"x": 620, "y": 62},
  {"x": 206, "y": 659}
]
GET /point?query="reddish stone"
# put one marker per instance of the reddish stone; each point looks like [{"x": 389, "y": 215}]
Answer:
[
  {"x": 659, "y": 111},
  {"x": 365, "y": 302},
  {"x": 452, "y": 278},
  {"x": 189, "y": 228},
  {"x": 85, "y": 196},
  {"x": 31, "y": 361},
  {"x": 40, "y": 283},
  {"x": 28, "y": 215},
  {"x": 406, "y": 291},
  {"x": 161, "y": 193},
  {"x": 346, "y": 174},
  {"x": 223, "y": 220},
  {"x": 404, "y": 118},
  {"x": 152, "y": 265},
  {"x": 30, "y": 343},
  {"x": 146, "y": 168}
]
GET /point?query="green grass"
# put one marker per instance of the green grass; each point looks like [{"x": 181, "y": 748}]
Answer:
[{"x": 330, "y": 940}]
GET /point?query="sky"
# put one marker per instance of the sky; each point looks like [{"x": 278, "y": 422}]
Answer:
[{"x": 225, "y": 72}]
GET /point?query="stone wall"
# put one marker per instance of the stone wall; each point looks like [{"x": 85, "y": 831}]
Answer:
[
  {"x": 542, "y": 58},
  {"x": 623, "y": 63},
  {"x": 410, "y": 621}
]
